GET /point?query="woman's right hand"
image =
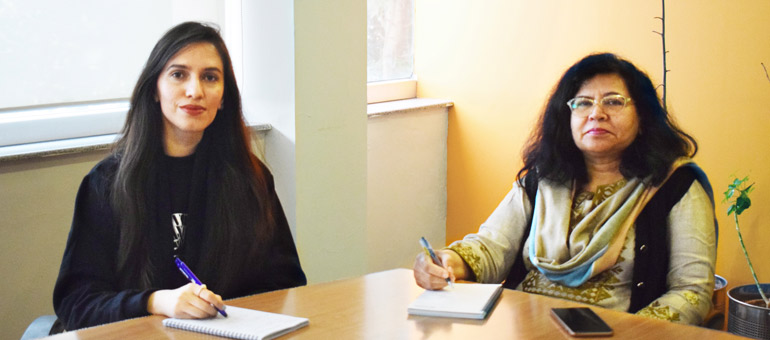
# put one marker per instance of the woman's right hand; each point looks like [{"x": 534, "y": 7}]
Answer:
[
  {"x": 429, "y": 275},
  {"x": 190, "y": 301}
]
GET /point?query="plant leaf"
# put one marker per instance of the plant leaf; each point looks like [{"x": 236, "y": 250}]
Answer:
[
  {"x": 748, "y": 189},
  {"x": 729, "y": 193},
  {"x": 742, "y": 203}
]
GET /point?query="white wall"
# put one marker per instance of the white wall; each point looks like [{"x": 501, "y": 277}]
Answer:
[
  {"x": 330, "y": 90},
  {"x": 406, "y": 191},
  {"x": 267, "y": 88},
  {"x": 305, "y": 74}
]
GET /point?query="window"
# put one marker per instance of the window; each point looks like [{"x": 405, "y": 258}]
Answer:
[
  {"x": 390, "y": 53},
  {"x": 70, "y": 67}
]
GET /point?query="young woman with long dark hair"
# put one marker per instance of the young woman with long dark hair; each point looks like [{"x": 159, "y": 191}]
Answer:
[{"x": 181, "y": 182}]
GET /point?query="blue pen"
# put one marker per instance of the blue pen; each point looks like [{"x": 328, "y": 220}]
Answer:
[
  {"x": 433, "y": 256},
  {"x": 194, "y": 279}
]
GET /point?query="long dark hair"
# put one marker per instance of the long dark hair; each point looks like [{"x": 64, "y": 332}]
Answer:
[
  {"x": 237, "y": 210},
  {"x": 551, "y": 152}
]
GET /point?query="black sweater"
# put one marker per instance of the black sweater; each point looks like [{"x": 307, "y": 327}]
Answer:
[{"x": 88, "y": 291}]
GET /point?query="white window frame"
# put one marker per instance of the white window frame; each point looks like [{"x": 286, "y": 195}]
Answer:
[
  {"x": 384, "y": 91},
  {"x": 79, "y": 120}
]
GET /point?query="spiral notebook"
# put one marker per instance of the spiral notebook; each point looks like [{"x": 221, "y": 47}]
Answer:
[
  {"x": 242, "y": 323},
  {"x": 465, "y": 300}
]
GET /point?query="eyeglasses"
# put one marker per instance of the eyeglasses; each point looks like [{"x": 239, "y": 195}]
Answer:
[{"x": 612, "y": 104}]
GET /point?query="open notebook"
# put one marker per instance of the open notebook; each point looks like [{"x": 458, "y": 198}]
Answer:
[
  {"x": 242, "y": 323},
  {"x": 465, "y": 300}
]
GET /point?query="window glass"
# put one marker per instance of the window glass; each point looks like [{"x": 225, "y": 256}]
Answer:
[
  {"x": 389, "y": 47},
  {"x": 69, "y": 67},
  {"x": 61, "y": 51}
]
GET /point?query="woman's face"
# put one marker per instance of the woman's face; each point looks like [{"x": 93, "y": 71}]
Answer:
[
  {"x": 602, "y": 134},
  {"x": 190, "y": 90}
]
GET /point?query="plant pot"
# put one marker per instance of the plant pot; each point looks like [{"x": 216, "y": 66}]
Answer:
[
  {"x": 747, "y": 319},
  {"x": 716, "y": 317}
]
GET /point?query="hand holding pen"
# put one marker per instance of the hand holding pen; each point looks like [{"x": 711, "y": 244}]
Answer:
[
  {"x": 194, "y": 279},
  {"x": 429, "y": 251}
]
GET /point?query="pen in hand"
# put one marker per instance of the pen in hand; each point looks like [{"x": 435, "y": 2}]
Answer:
[
  {"x": 433, "y": 257},
  {"x": 194, "y": 279}
]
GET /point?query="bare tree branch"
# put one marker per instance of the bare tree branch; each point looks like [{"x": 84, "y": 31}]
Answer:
[{"x": 662, "y": 34}]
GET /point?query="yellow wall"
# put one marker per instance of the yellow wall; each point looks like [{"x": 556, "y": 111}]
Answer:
[{"x": 498, "y": 60}]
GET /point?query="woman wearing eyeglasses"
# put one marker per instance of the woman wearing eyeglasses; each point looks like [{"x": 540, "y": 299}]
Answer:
[{"x": 608, "y": 209}]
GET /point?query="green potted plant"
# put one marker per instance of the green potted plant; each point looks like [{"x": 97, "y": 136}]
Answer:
[{"x": 749, "y": 307}]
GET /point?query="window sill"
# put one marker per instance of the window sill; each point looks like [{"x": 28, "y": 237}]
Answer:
[
  {"x": 104, "y": 142},
  {"x": 405, "y": 106},
  {"x": 72, "y": 146}
]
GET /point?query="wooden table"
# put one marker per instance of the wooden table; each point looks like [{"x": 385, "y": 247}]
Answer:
[{"x": 374, "y": 307}]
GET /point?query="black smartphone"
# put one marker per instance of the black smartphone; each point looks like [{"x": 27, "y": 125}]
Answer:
[{"x": 581, "y": 322}]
